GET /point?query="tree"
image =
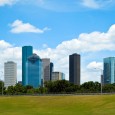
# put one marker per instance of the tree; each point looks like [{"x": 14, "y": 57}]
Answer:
[
  {"x": 19, "y": 89},
  {"x": 2, "y": 87},
  {"x": 10, "y": 90},
  {"x": 90, "y": 87},
  {"x": 60, "y": 86}
]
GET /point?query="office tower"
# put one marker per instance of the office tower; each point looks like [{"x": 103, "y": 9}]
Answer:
[
  {"x": 63, "y": 76},
  {"x": 57, "y": 76},
  {"x": 10, "y": 73},
  {"x": 26, "y": 52},
  {"x": 74, "y": 69},
  {"x": 46, "y": 69},
  {"x": 109, "y": 70},
  {"x": 34, "y": 71},
  {"x": 51, "y": 70}
]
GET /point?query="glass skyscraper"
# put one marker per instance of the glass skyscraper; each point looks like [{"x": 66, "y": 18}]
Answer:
[
  {"x": 34, "y": 71},
  {"x": 109, "y": 70},
  {"x": 74, "y": 69},
  {"x": 26, "y": 52},
  {"x": 51, "y": 69}
]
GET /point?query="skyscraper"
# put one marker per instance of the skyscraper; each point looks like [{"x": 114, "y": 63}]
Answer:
[
  {"x": 46, "y": 69},
  {"x": 26, "y": 52},
  {"x": 74, "y": 69},
  {"x": 51, "y": 69},
  {"x": 34, "y": 72},
  {"x": 109, "y": 70},
  {"x": 10, "y": 73}
]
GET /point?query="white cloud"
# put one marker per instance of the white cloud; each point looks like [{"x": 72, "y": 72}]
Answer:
[
  {"x": 97, "y": 4},
  {"x": 19, "y": 27},
  {"x": 90, "y": 4},
  {"x": 95, "y": 65},
  {"x": 7, "y": 2}
]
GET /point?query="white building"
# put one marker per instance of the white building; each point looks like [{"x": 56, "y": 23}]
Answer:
[
  {"x": 10, "y": 73},
  {"x": 58, "y": 76},
  {"x": 46, "y": 69}
]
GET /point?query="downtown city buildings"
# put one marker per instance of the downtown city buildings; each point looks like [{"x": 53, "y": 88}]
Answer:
[
  {"x": 31, "y": 68},
  {"x": 35, "y": 70}
]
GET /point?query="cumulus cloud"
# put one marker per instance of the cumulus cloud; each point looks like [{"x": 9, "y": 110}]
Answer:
[
  {"x": 7, "y": 2},
  {"x": 86, "y": 43},
  {"x": 19, "y": 27},
  {"x": 90, "y": 4},
  {"x": 95, "y": 65}
]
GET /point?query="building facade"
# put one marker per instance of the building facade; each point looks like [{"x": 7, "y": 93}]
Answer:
[
  {"x": 46, "y": 69},
  {"x": 10, "y": 73},
  {"x": 51, "y": 70},
  {"x": 34, "y": 71},
  {"x": 109, "y": 70},
  {"x": 57, "y": 76},
  {"x": 63, "y": 76},
  {"x": 74, "y": 69},
  {"x": 26, "y": 52}
]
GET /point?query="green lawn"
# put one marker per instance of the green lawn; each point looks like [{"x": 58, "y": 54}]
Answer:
[{"x": 58, "y": 105}]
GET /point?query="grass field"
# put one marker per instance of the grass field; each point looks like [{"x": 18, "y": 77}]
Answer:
[{"x": 58, "y": 105}]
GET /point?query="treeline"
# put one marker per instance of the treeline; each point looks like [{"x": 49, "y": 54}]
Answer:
[{"x": 57, "y": 87}]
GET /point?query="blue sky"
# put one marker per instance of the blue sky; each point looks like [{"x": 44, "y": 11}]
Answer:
[{"x": 56, "y": 29}]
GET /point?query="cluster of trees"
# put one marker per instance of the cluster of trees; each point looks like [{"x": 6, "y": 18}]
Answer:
[{"x": 61, "y": 86}]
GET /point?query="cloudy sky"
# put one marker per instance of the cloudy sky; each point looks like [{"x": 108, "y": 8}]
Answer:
[{"x": 56, "y": 29}]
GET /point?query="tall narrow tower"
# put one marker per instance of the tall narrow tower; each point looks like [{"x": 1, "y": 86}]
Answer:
[
  {"x": 46, "y": 69},
  {"x": 74, "y": 69},
  {"x": 26, "y": 52},
  {"x": 51, "y": 70}
]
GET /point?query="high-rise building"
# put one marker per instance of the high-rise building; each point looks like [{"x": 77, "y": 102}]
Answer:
[
  {"x": 63, "y": 76},
  {"x": 58, "y": 76},
  {"x": 46, "y": 69},
  {"x": 10, "y": 73},
  {"x": 34, "y": 71},
  {"x": 109, "y": 70},
  {"x": 26, "y": 52},
  {"x": 74, "y": 69},
  {"x": 51, "y": 70}
]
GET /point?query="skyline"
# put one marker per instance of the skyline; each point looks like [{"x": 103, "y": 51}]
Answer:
[{"x": 58, "y": 29}]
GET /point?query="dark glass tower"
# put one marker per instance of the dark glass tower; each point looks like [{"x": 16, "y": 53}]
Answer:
[
  {"x": 74, "y": 69},
  {"x": 26, "y": 52},
  {"x": 51, "y": 69}
]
